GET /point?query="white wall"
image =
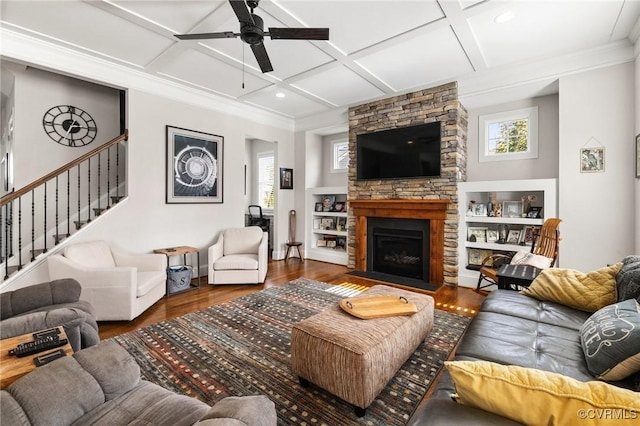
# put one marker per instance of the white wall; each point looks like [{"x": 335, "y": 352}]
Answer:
[
  {"x": 545, "y": 166},
  {"x": 637, "y": 128},
  {"x": 144, "y": 222},
  {"x": 598, "y": 210}
]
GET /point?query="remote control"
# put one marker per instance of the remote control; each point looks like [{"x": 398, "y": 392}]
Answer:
[
  {"x": 44, "y": 333},
  {"x": 38, "y": 345},
  {"x": 47, "y": 358}
]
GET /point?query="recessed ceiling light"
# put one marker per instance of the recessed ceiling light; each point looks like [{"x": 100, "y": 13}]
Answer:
[
  {"x": 504, "y": 17},
  {"x": 280, "y": 95}
]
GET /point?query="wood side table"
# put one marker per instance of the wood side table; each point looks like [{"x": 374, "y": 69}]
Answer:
[
  {"x": 177, "y": 251},
  {"x": 12, "y": 367}
]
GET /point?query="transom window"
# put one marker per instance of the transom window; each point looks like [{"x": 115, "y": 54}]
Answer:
[
  {"x": 340, "y": 151},
  {"x": 509, "y": 135}
]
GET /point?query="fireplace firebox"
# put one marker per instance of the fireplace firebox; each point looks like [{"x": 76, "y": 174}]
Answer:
[{"x": 398, "y": 249}]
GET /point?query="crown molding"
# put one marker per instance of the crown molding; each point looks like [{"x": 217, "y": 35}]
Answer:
[{"x": 53, "y": 57}]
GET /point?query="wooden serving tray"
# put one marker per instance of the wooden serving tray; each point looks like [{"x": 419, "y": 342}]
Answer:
[{"x": 378, "y": 306}]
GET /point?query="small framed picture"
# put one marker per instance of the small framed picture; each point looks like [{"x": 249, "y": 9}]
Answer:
[
  {"x": 592, "y": 160},
  {"x": 514, "y": 236},
  {"x": 476, "y": 256},
  {"x": 327, "y": 202},
  {"x": 528, "y": 235},
  {"x": 327, "y": 223},
  {"x": 479, "y": 209},
  {"x": 338, "y": 206},
  {"x": 286, "y": 178},
  {"x": 492, "y": 235},
  {"x": 321, "y": 243},
  {"x": 534, "y": 212},
  {"x": 512, "y": 209},
  {"x": 318, "y": 207},
  {"x": 477, "y": 234}
]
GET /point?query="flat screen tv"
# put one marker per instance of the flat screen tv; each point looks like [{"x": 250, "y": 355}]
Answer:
[{"x": 405, "y": 152}]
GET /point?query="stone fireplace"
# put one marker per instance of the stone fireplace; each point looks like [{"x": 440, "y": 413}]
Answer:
[{"x": 430, "y": 200}]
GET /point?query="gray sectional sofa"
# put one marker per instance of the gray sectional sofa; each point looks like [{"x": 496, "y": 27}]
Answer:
[{"x": 101, "y": 385}]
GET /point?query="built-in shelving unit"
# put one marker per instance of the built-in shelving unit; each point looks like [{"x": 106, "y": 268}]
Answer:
[
  {"x": 327, "y": 224},
  {"x": 509, "y": 232}
]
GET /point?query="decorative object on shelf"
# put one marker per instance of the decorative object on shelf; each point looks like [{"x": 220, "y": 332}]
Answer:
[
  {"x": 341, "y": 223},
  {"x": 321, "y": 243},
  {"x": 491, "y": 204},
  {"x": 286, "y": 178},
  {"x": 338, "y": 206},
  {"x": 194, "y": 166},
  {"x": 592, "y": 158},
  {"x": 492, "y": 235},
  {"x": 480, "y": 210},
  {"x": 498, "y": 212},
  {"x": 478, "y": 232},
  {"x": 327, "y": 202},
  {"x": 528, "y": 235},
  {"x": 69, "y": 125},
  {"x": 318, "y": 207},
  {"x": 327, "y": 223},
  {"x": 638, "y": 156},
  {"x": 316, "y": 223},
  {"x": 512, "y": 209},
  {"x": 503, "y": 231}
]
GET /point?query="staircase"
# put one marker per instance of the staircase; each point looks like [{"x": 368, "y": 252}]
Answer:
[{"x": 39, "y": 216}]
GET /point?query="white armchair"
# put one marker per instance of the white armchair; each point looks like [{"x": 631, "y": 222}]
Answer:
[
  {"x": 119, "y": 285},
  {"x": 239, "y": 256}
]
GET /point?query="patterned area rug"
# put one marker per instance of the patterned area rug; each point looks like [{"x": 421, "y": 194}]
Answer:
[{"x": 241, "y": 347}]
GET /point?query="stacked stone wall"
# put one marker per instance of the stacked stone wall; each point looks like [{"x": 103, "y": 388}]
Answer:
[{"x": 425, "y": 106}]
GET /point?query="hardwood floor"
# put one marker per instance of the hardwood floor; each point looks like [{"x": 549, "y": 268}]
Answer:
[{"x": 461, "y": 300}]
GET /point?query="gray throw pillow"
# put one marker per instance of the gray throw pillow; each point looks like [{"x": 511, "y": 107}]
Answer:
[
  {"x": 611, "y": 341},
  {"x": 628, "y": 279}
]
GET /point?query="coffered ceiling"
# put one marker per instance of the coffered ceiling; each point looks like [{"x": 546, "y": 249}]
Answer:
[{"x": 376, "y": 49}]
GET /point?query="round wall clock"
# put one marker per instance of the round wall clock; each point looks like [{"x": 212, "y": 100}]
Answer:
[{"x": 69, "y": 125}]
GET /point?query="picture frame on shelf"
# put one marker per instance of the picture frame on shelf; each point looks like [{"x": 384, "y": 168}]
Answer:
[
  {"x": 327, "y": 202},
  {"x": 534, "y": 212},
  {"x": 318, "y": 207},
  {"x": 327, "y": 223},
  {"x": 477, "y": 234},
  {"x": 477, "y": 256},
  {"x": 492, "y": 235},
  {"x": 512, "y": 209},
  {"x": 514, "y": 236},
  {"x": 321, "y": 243},
  {"x": 479, "y": 209},
  {"x": 338, "y": 206},
  {"x": 316, "y": 223},
  {"x": 341, "y": 223},
  {"x": 528, "y": 235}
]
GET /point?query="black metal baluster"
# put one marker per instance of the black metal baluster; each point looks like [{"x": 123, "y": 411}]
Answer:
[
  {"x": 78, "y": 222},
  {"x": 19, "y": 233},
  {"x": 99, "y": 180},
  {"x": 89, "y": 191},
  {"x": 118, "y": 172},
  {"x": 108, "y": 177},
  {"x": 6, "y": 246},
  {"x": 44, "y": 233},
  {"x": 33, "y": 223},
  {"x": 68, "y": 202},
  {"x": 57, "y": 214}
]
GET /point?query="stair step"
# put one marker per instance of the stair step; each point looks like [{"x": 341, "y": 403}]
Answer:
[
  {"x": 59, "y": 237},
  {"x": 37, "y": 252},
  {"x": 98, "y": 211},
  {"x": 13, "y": 268},
  {"x": 80, "y": 223},
  {"x": 116, "y": 198}
]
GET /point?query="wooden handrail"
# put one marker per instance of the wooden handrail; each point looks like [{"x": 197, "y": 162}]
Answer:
[{"x": 16, "y": 194}]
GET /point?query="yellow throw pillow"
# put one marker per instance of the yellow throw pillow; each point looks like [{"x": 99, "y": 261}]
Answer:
[
  {"x": 536, "y": 397},
  {"x": 587, "y": 292}
]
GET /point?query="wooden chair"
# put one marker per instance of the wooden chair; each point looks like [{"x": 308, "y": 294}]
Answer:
[{"x": 546, "y": 243}]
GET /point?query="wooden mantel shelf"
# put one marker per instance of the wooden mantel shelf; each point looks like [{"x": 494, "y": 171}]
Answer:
[{"x": 433, "y": 210}]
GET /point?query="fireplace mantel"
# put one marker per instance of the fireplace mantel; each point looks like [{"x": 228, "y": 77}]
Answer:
[{"x": 433, "y": 210}]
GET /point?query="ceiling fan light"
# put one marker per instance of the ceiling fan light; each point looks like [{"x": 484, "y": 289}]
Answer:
[{"x": 504, "y": 17}]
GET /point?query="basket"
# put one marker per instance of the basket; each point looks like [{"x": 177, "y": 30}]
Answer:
[{"x": 178, "y": 278}]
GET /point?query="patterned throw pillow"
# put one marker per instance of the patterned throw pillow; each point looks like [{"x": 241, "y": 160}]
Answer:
[
  {"x": 628, "y": 279},
  {"x": 611, "y": 341}
]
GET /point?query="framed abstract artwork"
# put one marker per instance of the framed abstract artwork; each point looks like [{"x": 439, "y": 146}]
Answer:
[{"x": 194, "y": 167}]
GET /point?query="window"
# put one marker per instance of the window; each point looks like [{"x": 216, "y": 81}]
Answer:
[
  {"x": 509, "y": 135},
  {"x": 266, "y": 167},
  {"x": 340, "y": 150}
]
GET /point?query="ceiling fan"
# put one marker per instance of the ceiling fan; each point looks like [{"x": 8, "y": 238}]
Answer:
[{"x": 252, "y": 32}]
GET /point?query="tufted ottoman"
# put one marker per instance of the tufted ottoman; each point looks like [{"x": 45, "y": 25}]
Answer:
[{"x": 354, "y": 358}]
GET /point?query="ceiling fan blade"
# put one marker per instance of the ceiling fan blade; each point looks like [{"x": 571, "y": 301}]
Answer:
[
  {"x": 299, "y": 33},
  {"x": 241, "y": 10},
  {"x": 260, "y": 53},
  {"x": 206, "y": 36}
]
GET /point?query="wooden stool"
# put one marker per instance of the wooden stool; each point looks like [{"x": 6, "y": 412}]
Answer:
[{"x": 295, "y": 245}]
